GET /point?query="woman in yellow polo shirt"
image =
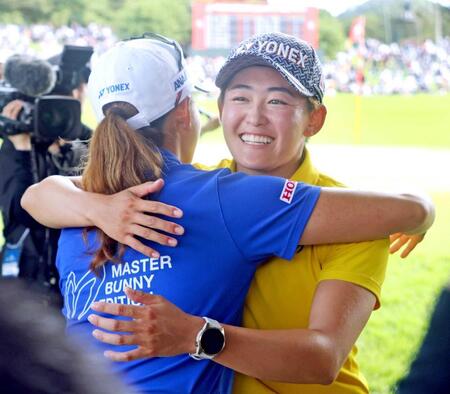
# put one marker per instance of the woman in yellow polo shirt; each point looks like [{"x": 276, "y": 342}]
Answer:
[
  {"x": 320, "y": 302},
  {"x": 302, "y": 317}
]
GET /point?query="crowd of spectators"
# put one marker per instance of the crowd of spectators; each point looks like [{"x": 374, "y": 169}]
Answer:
[
  {"x": 378, "y": 68},
  {"x": 372, "y": 68},
  {"x": 45, "y": 41}
]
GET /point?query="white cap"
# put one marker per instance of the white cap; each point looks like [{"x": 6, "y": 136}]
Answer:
[{"x": 149, "y": 73}]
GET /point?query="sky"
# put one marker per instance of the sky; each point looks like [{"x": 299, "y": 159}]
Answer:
[{"x": 335, "y": 7}]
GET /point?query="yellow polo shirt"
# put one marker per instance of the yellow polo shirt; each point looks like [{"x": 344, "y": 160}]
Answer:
[{"x": 282, "y": 292}]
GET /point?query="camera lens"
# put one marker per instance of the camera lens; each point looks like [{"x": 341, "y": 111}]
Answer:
[{"x": 58, "y": 117}]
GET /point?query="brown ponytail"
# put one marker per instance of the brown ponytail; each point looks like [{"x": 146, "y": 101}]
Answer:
[{"x": 119, "y": 157}]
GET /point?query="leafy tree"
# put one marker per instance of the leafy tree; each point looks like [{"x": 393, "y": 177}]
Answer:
[
  {"x": 387, "y": 20},
  {"x": 126, "y": 17},
  {"x": 168, "y": 17},
  {"x": 446, "y": 21},
  {"x": 101, "y": 11},
  {"x": 331, "y": 34},
  {"x": 57, "y": 12},
  {"x": 29, "y": 11},
  {"x": 65, "y": 12}
]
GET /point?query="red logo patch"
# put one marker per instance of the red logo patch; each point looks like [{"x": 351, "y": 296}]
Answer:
[{"x": 288, "y": 191}]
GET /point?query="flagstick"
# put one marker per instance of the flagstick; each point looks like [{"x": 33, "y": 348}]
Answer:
[{"x": 357, "y": 119}]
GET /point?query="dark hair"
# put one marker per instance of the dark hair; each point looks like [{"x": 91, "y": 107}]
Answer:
[{"x": 36, "y": 356}]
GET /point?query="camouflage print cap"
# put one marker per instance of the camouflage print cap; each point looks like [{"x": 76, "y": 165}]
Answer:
[{"x": 293, "y": 58}]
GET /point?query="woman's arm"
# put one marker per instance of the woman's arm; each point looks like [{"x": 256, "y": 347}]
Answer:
[
  {"x": 314, "y": 355},
  {"x": 344, "y": 215},
  {"x": 60, "y": 202},
  {"x": 341, "y": 215},
  {"x": 339, "y": 312}
]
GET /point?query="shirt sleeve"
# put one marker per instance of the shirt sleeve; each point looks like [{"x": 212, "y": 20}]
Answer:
[
  {"x": 265, "y": 216},
  {"x": 362, "y": 263}
]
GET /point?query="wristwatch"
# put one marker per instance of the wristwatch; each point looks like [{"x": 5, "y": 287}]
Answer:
[{"x": 210, "y": 340}]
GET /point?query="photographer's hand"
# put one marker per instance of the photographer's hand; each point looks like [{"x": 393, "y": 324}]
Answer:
[{"x": 22, "y": 141}]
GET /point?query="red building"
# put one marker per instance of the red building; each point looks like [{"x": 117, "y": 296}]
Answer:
[{"x": 218, "y": 26}]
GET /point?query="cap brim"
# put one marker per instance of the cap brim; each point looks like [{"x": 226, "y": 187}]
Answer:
[{"x": 240, "y": 62}]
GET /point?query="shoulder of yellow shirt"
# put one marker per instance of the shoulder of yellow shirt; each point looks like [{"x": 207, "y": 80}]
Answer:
[
  {"x": 224, "y": 163},
  {"x": 325, "y": 180},
  {"x": 322, "y": 180}
]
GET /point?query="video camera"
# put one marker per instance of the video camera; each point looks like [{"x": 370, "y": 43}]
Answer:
[{"x": 47, "y": 113}]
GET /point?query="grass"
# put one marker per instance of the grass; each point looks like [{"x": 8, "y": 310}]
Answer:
[
  {"x": 390, "y": 340},
  {"x": 394, "y": 333},
  {"x": 420, "y": 120}
]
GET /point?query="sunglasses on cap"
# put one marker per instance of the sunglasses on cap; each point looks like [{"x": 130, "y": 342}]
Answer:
[
  {"x": 168, "y": 41},
  {"x": 164, "y": 40}
]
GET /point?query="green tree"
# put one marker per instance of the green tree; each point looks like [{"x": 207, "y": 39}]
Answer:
[
  {"x": 65, "y": 12},
  {"x": 102, "y": 11},
  {"x": 125, "y": 17},
  {"x": 58, "y": 12},
  {"x": 331, "y": 35},
  {"x": 24, "y": 11},
  {"x": 168, "y": 17},
  {"x": 388, "y": 21}
]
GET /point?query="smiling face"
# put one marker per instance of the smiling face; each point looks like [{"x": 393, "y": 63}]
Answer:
[{"x": 265, "y": 122}]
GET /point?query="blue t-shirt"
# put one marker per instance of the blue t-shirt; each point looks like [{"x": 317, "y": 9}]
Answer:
[{"x": 233, "y": 222}]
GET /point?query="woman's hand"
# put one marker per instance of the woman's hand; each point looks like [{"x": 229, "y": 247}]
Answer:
[
  {"x": 125, "y": 215},
  {"x": 60, "y": 202},
  {"x": 399, "y": 240},
  {"x": 157, "y": 327}
]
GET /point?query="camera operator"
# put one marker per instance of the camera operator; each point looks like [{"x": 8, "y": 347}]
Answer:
[
  {"x": 24, "y": 238},
  {"x": 30, "y": 248}
]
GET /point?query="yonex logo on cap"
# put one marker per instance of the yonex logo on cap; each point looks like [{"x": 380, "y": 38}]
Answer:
[
  {"x": 293, "y": 58},
  {"x": 117, "y": 87},
  {"x": 272, "y": 47}
]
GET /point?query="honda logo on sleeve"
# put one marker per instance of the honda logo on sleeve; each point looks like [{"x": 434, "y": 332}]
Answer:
[{"x": 288, "y": 191}]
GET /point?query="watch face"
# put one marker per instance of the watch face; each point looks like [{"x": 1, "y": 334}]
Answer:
[{"x": 212, "y": 341}]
